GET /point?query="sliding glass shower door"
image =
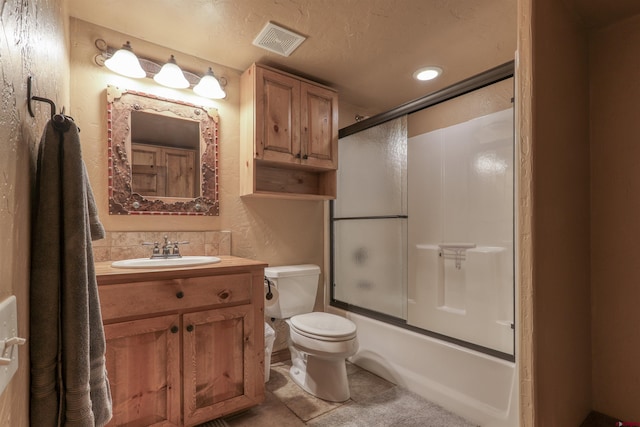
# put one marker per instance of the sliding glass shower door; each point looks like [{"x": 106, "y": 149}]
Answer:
[{"x": 369, "y": 220}]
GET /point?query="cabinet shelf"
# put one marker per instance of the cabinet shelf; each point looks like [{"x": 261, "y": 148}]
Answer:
[{"x": 277, "y": 181}]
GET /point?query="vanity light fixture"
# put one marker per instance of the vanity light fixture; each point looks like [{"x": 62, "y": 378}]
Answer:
[
  {"x": 123, "y": 61},
  {"x": 171, "y": 75},
  {"x": 427, "y": 73},
  {"x": 209, "y": 86}
]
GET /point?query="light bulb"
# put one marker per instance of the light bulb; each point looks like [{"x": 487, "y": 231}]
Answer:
[
  {"x": 209, "y": 86},
  {"x": 428, "y": 73},
  {"x": 125, "y": 62},
  {"x": 171, "y": 75}
]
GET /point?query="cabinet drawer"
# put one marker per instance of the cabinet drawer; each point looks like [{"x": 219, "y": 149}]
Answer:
[{"x": 175, "y": 295}]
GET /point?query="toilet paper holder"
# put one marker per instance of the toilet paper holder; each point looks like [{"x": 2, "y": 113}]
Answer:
[{"x": 269, "y": 295}]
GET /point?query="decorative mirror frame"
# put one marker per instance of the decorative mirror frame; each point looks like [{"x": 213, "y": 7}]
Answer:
[{"x": 122, "y": 199}]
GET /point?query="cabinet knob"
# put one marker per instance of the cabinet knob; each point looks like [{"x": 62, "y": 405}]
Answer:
[
  {"x": 180, "y": 294},
  {"x": 298, "y": 156},
  {"x": 189, "y": 328},
  {"x": 174, "y": 329},
  {"x": 276, "y": 128},
  {"x": 224, "y": 294},
  {"x": 305, "y": 157}
]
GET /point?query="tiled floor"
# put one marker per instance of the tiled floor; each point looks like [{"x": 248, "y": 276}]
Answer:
[{"x": 374, "y": 402}]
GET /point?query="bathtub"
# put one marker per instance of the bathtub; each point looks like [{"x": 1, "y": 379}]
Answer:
[{"x": 478, "y": 387}]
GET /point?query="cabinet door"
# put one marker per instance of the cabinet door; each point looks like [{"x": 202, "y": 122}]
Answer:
[
  {"x": 147, "y": 178},
  {"x": 163, "y": 172},
  {"x": 319, "y": 135},
  {"x": 143, "y": 365},
  {"x": 180, "y": 167},
  {"x": 220, "y": 363},
  {"x": 277, "y": 117}
]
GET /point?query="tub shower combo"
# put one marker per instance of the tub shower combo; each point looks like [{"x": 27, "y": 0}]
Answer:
[{"x": 423, "y": 260}]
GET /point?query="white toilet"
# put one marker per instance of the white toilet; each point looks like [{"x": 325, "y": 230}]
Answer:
[{"x": 319, "y": 342}]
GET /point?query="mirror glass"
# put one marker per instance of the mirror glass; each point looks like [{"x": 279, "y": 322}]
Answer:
[{"x": 162, "y": 155}]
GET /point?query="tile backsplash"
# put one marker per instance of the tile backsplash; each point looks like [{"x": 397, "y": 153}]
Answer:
[{"x": 128, "y": 244}]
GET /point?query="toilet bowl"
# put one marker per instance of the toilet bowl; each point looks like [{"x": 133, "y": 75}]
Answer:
[{"x": 319, "y": 342}]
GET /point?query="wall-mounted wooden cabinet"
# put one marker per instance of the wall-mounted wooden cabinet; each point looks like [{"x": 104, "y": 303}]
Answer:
[
  {"x": 288, "y": 137},
  {"x": 185, "y": 346}
]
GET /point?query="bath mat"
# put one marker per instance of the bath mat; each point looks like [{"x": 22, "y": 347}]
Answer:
[{"x": 215, "y": 423}]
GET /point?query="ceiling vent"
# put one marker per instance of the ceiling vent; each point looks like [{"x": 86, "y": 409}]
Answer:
[{"x": 277, "y": 39}]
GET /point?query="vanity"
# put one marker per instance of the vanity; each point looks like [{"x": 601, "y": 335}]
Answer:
[{"x": 184, "y": 345}]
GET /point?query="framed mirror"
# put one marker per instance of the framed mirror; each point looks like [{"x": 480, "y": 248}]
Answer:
[{"x": 163, "y": 155}]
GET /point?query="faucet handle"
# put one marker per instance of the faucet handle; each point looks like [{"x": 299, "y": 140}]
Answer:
[
  {"x": 156, "y": 248},
  {"x": 176, "y": 250}
]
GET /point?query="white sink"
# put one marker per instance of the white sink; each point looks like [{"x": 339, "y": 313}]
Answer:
[{"x": 185, "y": 261}]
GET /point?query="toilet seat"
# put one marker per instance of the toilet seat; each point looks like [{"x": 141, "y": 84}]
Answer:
[{"x": 323, "y": 326}]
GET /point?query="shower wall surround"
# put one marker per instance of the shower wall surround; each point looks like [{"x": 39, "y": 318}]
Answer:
[{"x": 460, "y": 237}]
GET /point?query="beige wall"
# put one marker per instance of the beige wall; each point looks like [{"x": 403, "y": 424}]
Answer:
[
  {"x": 554, "y": 216},
  {"x": 32, "y": 42},
  {"x": 578, "y": 128},
  {"x": 275, "y": 231},
  {"x": 554, "y": 355},
  {"x": 524, "y": 217},
  {"x": 562, "y": 351},
  {"x": 487, "y": 100},
  {"x": 615, "y": 221}
]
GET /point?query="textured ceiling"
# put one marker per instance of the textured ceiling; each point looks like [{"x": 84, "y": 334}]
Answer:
[{"x": 367, "y": 49}]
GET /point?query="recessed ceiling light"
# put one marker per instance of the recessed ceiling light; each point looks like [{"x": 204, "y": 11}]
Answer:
[{"x": 427, "y": 73}]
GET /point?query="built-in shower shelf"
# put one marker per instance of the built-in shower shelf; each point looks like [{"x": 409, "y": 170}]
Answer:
[
  {"x": 457, "y": 251},
  {"x": 457, "y": 246}
]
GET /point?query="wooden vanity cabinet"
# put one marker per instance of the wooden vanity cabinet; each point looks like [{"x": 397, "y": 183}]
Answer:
[
  {"x": 183, "y": 347},
  {"x": 289, "y": 135},
  {"x": 143, "y": 366}
]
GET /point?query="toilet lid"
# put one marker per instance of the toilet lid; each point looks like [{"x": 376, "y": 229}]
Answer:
[{"x": 323, "y": 324}]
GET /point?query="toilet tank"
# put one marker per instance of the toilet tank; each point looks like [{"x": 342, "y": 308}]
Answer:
[{"x": 296, "y": 286}]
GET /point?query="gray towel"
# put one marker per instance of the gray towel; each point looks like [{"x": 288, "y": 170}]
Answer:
[{"x": 69, "y": 386}]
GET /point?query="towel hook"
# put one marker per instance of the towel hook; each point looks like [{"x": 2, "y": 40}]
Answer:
[{"x": 37, "y": 98}]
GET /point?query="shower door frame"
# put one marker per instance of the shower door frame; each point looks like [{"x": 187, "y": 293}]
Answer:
[{"x": 487, "y": 78}]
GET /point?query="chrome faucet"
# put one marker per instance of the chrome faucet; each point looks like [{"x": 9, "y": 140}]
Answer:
[{"x": 169, "y": 249}]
